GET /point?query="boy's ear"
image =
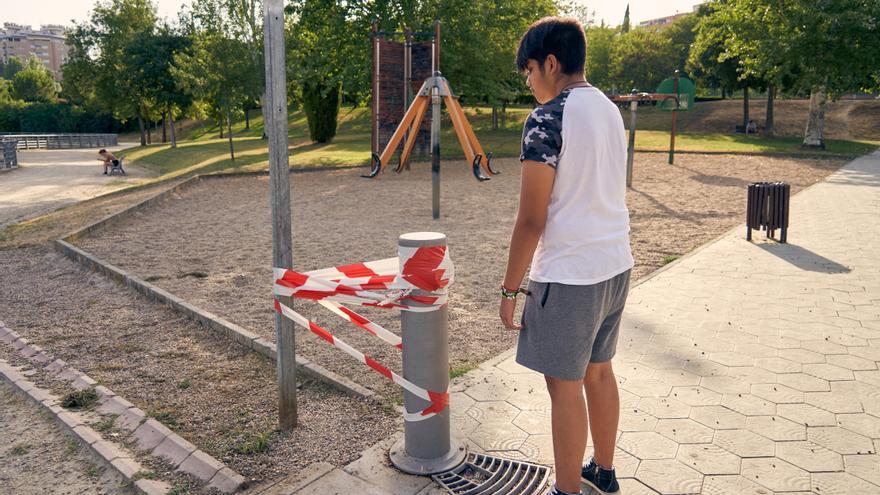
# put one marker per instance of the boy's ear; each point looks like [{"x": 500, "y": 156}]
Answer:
[{"x": 551, "y": 65}]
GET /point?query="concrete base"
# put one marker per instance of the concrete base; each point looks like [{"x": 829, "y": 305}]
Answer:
[{"x": 427, "y": 467}]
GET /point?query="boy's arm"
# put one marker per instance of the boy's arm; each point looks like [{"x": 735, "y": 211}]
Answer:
[{"x": 535, "y": 189}]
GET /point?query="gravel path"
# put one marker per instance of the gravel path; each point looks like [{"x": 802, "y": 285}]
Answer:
[
  {"x": 212, "y": 243},
  {"x": 210, "y": 391},
  {"x": 37, "y": 457},
  {"x": 49, "y": 179}
]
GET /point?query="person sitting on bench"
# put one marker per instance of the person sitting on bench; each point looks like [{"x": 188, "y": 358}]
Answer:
[{"x": 109, "y": 159}]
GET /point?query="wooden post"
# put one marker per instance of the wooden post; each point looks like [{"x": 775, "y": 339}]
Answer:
[
  {"x": 631, "y": 151},
  {"x": 279, "y": 183},
  {"x": 674, "y": 115}
]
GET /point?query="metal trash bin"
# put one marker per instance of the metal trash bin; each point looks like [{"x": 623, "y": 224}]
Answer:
[{"x": 767, "y": 209}]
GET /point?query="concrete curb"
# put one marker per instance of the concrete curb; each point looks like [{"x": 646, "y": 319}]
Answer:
[
  {"x": 205, "y": 318},
  {"x": 148, "y": 434}
]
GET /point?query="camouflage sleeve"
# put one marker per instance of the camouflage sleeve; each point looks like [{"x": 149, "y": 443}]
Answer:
[{"x": 542, "y": 136}]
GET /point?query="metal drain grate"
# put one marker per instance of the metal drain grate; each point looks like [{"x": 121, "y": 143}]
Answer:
[{"x": 484, "y": 475}]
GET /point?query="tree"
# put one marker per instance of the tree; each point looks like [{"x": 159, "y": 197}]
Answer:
[
  {"x": 152, "y": 60},
  {"x": 34, "y": 83},
  {"x": 78, "y": 83},
  {"x": 600, "y": 49},
  {"x": 624, "y": 27},
  {"x": 5, "y": 91},
  {"x": 824, "y": 47},
  {"x": 641, "y": 59},
  {"x": 11, "y": 67}
]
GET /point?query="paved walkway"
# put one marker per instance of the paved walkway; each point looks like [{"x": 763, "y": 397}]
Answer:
[
  {"x": 49, "y": 179},
  {"x": 744, "y": 368}
]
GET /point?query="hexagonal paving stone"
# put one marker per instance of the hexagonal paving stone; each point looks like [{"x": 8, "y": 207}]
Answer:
[
  {"x": 864, "y": 424},
  {"x": 866, "y": 467},
  {"x": 669, "y": 476},
  {"x": 869, "y": 377},
  {"x": 725, "y": 385},
  {"x": 533, "y": 423},
  {"x": 851, "y": 362},
  {"x": 756, "y": 350},
  {"x": 664, "y": 361},
  {"x": 647, "y": 445},
  {"x": 840, "y": 440},
  {"x": 778, "y": 342},
  {"x": 696, "y": 396},
  {"x": 732, "y": 485},
  {"x": 804, "y": 382},
  {"x": 745, "y": 443},
  {"x": 635, "y": 420},
  {"x": 500, "y": 435},
  {"x": 828, "y": 371},
  {"x": 777, "y": 393},
  {"x": 802, "y": 356},
  {"x": 647, "y": 387},
  {"x": 732, "y": 359},
  {"x": 778, "y": 365},
  {"x": 809, "y": 456},
  {"x": 530, "y": 401},
  {"x": 776, "y": 428},
  {"x": 538, "y": 448},
  {"x": 748, "y": 404},
  {"x": 491, "y": 388},
  {"x": 685, "y": 431},
  {"x": 708, "y": 458},
  {"x": 631, "y": 487},
  {"x": 751, "y": 374},
  {"x": 842, "y": 484},
  {"x": 664, "y": 407},
  {"x": 493, "y": 411},
  {"x": 806, "y": 414},
  {"x": 718, "y": 417},
  {"x": 836, "y": 402},
  {"x": 676, "y": 378},
  {"x": 704, "y": 367},
  {"x": 776, "y": 474},
  {"x": 823, "y": 347}
]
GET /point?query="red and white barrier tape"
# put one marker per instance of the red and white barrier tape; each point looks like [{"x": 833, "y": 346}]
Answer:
[{"x": 428, "y": 269}]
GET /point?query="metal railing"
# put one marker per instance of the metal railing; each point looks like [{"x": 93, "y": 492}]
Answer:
[
  {"x": 9, "y": 154},
  {"x": 61, "y": 141}
]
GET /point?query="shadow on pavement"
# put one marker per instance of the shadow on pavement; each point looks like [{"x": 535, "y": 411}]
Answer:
[{"x": 804, "y": 258}]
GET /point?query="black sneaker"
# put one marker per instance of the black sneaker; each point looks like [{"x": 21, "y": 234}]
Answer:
[
  {"x": 556, "y": 491},
  {"x": 603, "y": 481}
]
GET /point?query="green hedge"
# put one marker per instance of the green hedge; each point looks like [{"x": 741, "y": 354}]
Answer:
[
  {"x": 321, "y": 105},
  {"x": 19, "y": 116}
]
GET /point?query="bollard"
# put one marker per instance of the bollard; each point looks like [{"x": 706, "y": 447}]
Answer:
[{"x": 427, "y": 446}]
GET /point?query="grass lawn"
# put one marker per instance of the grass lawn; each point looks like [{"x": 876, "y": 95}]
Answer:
[{"x": 203, "y": 151}]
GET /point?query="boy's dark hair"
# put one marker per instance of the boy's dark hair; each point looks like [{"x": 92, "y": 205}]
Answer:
[
  {"x": 101, "y": 151},
  {"x": 560, "y": 36}
]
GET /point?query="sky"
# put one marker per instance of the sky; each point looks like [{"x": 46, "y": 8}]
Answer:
[{"x": 37, "y": 12}]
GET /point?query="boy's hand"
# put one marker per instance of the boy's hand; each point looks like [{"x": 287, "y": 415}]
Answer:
[{"x": 508, "y": 306}]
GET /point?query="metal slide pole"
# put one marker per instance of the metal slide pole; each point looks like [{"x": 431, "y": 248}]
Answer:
[
  {"x": 435, "y": 148},
  {"x": 279, "y": 184},
  {"x": 674, "y": 115},
  {"x": 427, "y": 446}
]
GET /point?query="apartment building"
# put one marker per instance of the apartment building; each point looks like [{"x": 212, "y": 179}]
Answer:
[{"x": 47, "y": 44}]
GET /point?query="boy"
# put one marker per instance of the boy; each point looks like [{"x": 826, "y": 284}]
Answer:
[
  {"x": 107, "y": 158},
  {"x": 573, "y": 225}
]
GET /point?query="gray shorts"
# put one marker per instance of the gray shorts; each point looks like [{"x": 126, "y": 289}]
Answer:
[{"x": 566, "y": 327}]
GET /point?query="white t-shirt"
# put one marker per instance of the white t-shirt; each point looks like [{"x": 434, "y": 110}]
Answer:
[{"x": 586, "y": 239}]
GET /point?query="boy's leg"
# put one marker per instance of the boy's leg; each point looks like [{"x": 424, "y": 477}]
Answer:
[
  {"x": 569, "y": 426},
  {"x": 603, "y": 402}
]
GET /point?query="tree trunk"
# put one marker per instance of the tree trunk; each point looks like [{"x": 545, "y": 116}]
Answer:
[
  {"x": 149, "y": 133},
  {"x": 494, "y": 117},
  {"x": 173, "y": 134},
  {"x": 503, "y": 114},
  {"x": 814, "y": 133},
  {"x": 723, "y": 93},
  {"x": 768, "y": 121},
  {"x": 141, "y": 127},
  {"x": 247, "y": 117},
  {"x": 220, "y": 121},
  {"x": 164, "y": 126},
  {"x": 746, "y": 109},
  {"x": 229, "y": 122}
]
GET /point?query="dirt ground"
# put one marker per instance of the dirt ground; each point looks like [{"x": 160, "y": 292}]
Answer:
[
  {"x": 37, "y": 457},
  {"x": 49, "y": 179},
  {"x": 212, "y": 243},
  {"x": 215, "y": 394}
]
